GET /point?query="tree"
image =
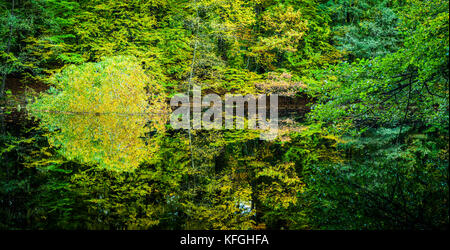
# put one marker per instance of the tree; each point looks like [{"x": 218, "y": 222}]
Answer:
[{"x": 102, "y": 93}]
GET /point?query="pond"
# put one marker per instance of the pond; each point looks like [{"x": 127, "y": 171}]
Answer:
[{"x": 118, "y": 171}]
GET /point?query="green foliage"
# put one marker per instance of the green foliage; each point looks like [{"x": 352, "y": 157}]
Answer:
[
  {"x": 409, "y": 85},
  {"x": 394, "y": 112},
  {"x": 365, "y": 29},
  {"x": 383, "y": 184},
  {"x": 34, "y": 191},
  {"x": 372, "y": 153}
]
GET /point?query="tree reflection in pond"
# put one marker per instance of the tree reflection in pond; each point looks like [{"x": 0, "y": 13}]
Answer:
[
  {"x": 100, "y": 113},
  {"x": 118, "y": 142}
]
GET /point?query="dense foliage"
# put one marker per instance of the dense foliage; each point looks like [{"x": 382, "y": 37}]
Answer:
[{"x": 95, "y": 150}]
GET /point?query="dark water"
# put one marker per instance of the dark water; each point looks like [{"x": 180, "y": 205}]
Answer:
[{"x": 118, "y": 172}]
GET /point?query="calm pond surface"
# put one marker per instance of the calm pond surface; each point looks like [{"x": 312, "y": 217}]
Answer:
[{"x": 118, "y": 171}]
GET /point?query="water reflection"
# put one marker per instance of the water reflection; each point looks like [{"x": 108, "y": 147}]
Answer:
[
  {"x": 112, "y": 141},
  {"x": 229, "y": 180}
]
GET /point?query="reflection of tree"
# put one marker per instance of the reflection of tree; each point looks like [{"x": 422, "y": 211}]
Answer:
[
  {"x": 99, "y": 112},
  {"x": 111, "y": 141}
]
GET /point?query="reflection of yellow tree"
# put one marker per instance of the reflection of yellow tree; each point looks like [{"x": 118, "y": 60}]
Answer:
[
  {"x": 111, "y": 141},
  {"x": 99, "y": 113}
]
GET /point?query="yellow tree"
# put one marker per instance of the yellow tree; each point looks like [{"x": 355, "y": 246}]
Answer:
[{"x": 100, "y": 112}]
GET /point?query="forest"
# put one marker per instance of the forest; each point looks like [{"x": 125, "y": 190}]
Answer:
[{"x": 363, "y": 96}]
